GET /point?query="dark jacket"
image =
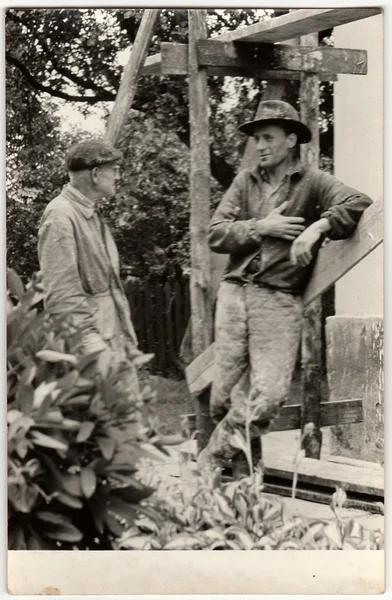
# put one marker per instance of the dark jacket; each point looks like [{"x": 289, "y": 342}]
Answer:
[{"x": 311, "y": 193}]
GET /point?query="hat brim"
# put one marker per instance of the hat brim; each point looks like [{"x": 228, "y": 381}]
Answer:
[{"x": 303, "y": 132}]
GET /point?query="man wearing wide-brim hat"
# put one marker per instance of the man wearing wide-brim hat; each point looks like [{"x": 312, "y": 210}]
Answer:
[
  {"x": 272, "y": 222},
  {"x": 80, "y": 263}
]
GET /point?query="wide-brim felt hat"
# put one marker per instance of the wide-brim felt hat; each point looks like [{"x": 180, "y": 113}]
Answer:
[
  {"x": 90, "y": 154},
  {"x": 277, "y": 112}
]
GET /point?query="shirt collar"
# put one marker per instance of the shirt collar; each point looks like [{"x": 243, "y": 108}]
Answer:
[
  {"x": 295, "y": 169},
  {"x": 86, "y": 206}
]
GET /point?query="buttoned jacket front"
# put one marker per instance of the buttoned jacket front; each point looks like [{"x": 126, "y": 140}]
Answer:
[
  {"x": 311, "y": 194},
  {"x": 80, "y": 269}
]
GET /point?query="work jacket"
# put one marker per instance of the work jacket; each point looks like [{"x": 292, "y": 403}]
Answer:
[
  {"x": 311, "y": 194},
  {"x": 80, "y": 269}
]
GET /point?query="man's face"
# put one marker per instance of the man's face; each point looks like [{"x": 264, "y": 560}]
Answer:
[
  {"x": 105, "y": 179},
  {"x": 273, "y": 145}
]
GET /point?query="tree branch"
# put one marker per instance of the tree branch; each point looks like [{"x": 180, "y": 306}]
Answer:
[
  {"x": 83, "y": 82},
  {"x": 105, "y": 96}
]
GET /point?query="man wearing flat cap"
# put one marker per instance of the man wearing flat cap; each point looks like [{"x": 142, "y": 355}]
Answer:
[
  {"x": 79, "y": 260},
  {"x": 272, "y": 222}
]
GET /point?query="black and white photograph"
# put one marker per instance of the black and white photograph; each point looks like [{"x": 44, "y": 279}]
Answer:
[{"x": 194, "y": 302}]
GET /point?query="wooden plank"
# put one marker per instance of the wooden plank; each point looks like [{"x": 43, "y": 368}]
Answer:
[
  {"x": 270, "y": 487},
  {"x": 327, "y": 474},
  {"x": 298, "y": 23},
  {"x": 175, "y": 62},
  {"x": 294, "y": 24},
  {"x": 338, "y": 257},
  {"x": 355, "y": 462},
  {"x": 259, "y": 57},
  {"x": 339, "y": 412},
  {"x": 311, "y": 341},
  {"x": 128, "y": 85},
  {"x": 331, "y": 413},
  {"x": 334, "y": 261}
]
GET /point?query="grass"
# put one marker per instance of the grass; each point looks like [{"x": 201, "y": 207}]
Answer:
[{"x": 173, "y": 401}]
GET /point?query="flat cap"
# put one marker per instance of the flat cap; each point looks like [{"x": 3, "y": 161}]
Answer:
[{"x": 90, "y": 154}]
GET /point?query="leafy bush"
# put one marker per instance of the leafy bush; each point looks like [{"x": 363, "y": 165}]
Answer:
[
  {"x": 73, "y": 441},
  {"x": 207, "y": 515},
  {"x": 76, "y": 477}
]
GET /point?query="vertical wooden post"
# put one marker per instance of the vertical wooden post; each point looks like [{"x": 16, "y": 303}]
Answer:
[
  {"x": 200, "y": 282},
  {"x": 311, "y": 336},
  {"x": 128, "y": 85}
]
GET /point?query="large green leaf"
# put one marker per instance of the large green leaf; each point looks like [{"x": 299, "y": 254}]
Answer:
[
  {"x": 97, "y": 505},
  {"x": 65, "y": 533},
  {"x": 121, "y": 508},
  {"x": 113, "y": 525},
  {"x": 72, "y": 484},
  {"x": 21, "y": 425},
  {"x": 53, "y": 356},
  {"x": 184, "y": 542},
  {"x": 53, "y": 518},
  {"x": 69, "y": 500},
  {"x": 107, "y": 447},
  {"x": 85, "y": 431},
  {"x": 14, "y": 284},
  {"x": 134, "y": 495},
  {"x": 28, "y": 374},
  {"x": 41, "y": 439},
  {"x": 88, "y": 481}
]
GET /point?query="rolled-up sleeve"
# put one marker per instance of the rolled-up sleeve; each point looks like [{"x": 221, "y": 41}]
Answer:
[
  {"x": 227, "y": 234},
  {"x": 64, "y": 294},
  {"x": 342, "y": 205}
]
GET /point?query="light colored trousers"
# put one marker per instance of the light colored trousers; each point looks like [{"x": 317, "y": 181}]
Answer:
[{"x": 257, "y": 332}]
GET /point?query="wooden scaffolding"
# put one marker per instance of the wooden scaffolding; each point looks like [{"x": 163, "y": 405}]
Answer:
[{"x": 278, "y": 50}]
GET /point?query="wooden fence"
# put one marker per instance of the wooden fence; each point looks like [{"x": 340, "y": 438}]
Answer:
[{"x": 160, "y": 313}]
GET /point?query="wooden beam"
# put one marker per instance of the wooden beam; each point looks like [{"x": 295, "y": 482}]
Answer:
[
  {"x": 327, "y": 474},
  {"x": 337, "y": 258},
  {"x": 311, "y": 338},
  {"x": 200, "y": 174},
  {"x": 334, "y": 260},
  {"x": 201, "y": 302},
  {"x": 332, "y": 413},
  {"x": 339, "y": 412},
  {"x": 128, "y": 85},
  {"x": 284, "y": 488},
  {"x": 256, "y": 58},
  {"x": 315, "y": 474},
  {"x": 175, "y": 62},
  {"x": 295, "y": 24}
]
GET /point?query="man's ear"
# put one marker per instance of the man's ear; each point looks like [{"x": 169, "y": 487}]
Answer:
[
  {"x": 94, "y": 174},
  {"x": 292, "y": 140}
]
